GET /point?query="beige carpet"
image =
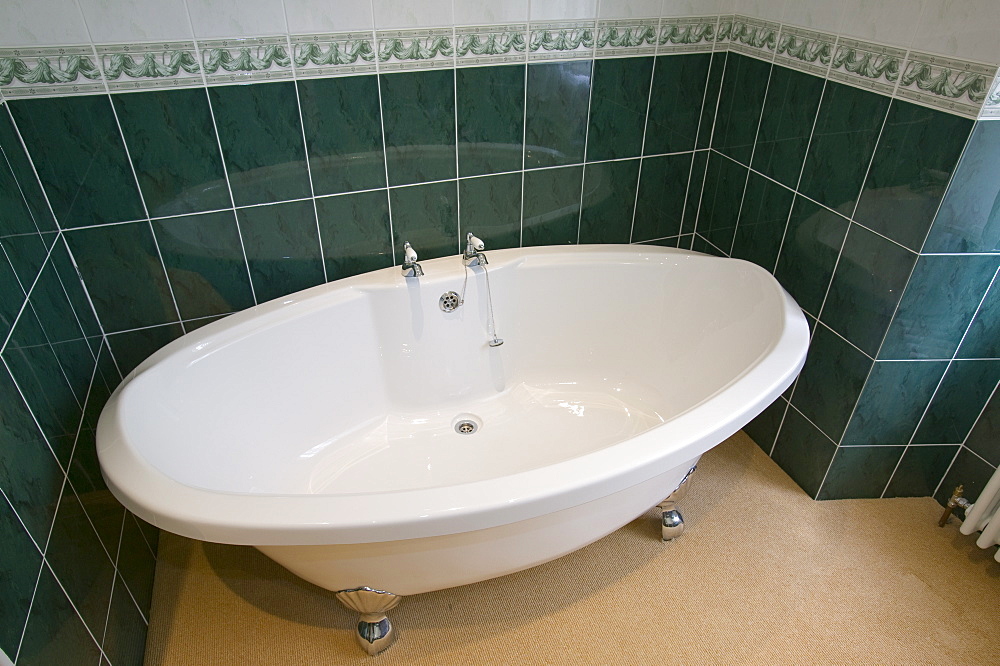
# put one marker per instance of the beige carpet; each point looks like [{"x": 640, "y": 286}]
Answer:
[{"x": 763, "y": 575}]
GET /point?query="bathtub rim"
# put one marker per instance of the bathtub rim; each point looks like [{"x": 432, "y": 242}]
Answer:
[{"x": 258, "y": 519}]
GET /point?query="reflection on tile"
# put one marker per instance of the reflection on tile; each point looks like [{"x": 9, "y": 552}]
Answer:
[
  {"x": 809, "y": 253},
  {"x": 54, "y": 629},
  {"x": 659, "y": 207},
  {"x": 893, "y": 400},
  {"x": 831, "y": 382},
  {"x": 803, "y": 452},
  {"x": 860, "y": 471},
  {"x": 618, "y": 104},
  {"x": 983, "y": 439},
  {"x": 73, "y": 289},
  {"x": 355, "y": 232},
  {"x": 709, "y": 108},
  {"x": 675, "y": 103},
  {"x": 490, "y": 119},
  {"x": 762, "y": 222},
  {"x": 427, "y": 217},
  {"x": 22, "y": 171},
  {"x": 915, "y": 157},
  {"x": 786, "y": 124},
  {"x": 940, "y": 299},
  {"x": 282, "y": 247},
  {"x": 763, "y": 429},
  {"x": 418, "y": 112},
  {"x": 490, "y": 208},
  {"x": 552, "y": 206},
  {"x": 204, "y": 259},
  {"x": 173, "y": 147},
  {"x": 969, "y": 471},
  {"x": 740, "y": 105},
  {"x": 125, "y": 640},
  {"x": 80, "y": 158},
  {"x": 725, "y": 181},
  {"x": 120, "y": 264},
  {"x": 608, "y": 201},
  {"x": 19, "y": 562},
  {"x": 699, "y": 165},
  {"x": 132, "y": 348},
  {"x": 261, "y": 141},
  {"x": 343, "y": 133},
  {"x": 920, "y": 470},
  {"x": 136, "y": 564},
  {"x": 556, "y": 115},
  {"x": 966, "y": 387}
]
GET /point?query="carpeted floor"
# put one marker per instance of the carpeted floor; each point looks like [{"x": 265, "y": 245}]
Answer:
[{"x": 763, "y": 575}]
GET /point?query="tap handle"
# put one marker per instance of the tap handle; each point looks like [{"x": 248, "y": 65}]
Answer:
[
  {"x": 409, "y": 254},
  {"x": 475, "y": 243}
]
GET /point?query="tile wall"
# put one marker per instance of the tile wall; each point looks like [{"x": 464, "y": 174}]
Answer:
[{"x": 146, "y": 191}]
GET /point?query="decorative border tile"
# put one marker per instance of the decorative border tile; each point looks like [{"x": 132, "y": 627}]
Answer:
[
  {"x": 240, "y": 60},
  {"x": 336, "y": 54},
  {"x": 51, "y": 71},
  {"x": 945, "y": 83},
  {"x": 991, "y": 109},
  {"x": 750, "y": 36},
  {"x": 805, "y": 50},
  {"x": 626, "y": 37},
  {"x": 565, "y": 40},
  {"x": 693, "y": 34},
  {"x": 866, "y": 65},
  {"x": 415, "y": 49},
  {"x": 145, "y": 66},
  {"x": 490, "y": 44}
]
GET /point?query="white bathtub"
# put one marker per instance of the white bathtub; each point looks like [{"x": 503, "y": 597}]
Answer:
[{"x": 320, "y": 427}]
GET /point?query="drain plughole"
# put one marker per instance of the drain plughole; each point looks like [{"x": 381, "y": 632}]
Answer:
[{"x": 466, "y": 427}]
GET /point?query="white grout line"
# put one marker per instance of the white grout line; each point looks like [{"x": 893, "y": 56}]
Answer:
[
  {"x": 642, "y": 145},
  {"x": 524, "y": 128},
  {"x": 711, "y": 134},
  {"x": 586, "y": 140},
  {"x": 385, "y": 148},
  {"x": 31, "y": 606},
  {"x": 963, "y": 447},
  {"x": 454, "y": 92}
]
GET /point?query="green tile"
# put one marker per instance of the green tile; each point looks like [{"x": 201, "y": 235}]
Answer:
[
  {"x": 608, "y": 201},
  {"x": 204, "y": 259},
  {"x": 786, "y": 124},
  {"x": 982, "y": 340},
  {"x": 11, "y": 296},
  {"x": 427, "y": 217},
  {"x": 54, "y": 629},
  {"x": 490, "y": 208},
  {"x": 125, "y": 640},
  {"x": 556, "y": 113},
  {"x": 940, "y": 300},
  {"x": 763, "y": 429},
  {"x": 860, "y": 472},
  {"x": 969, "y": 218},
  {"x": 870, "y": 278},
  {"x": 983, "y": 440},
  {"x": 60, "y": 320},
  {"x": 19, "y": 563},
  {"x": 618, "y": 103},
  {"x": 282, "y": 247},
  {"x": 355, "y": 232},
  {"x": 343, "y": 133},
  {"x": 725, "y": 181},
  {"x": 803, "y": 452},
  {"x": 552, "y": 206},
  {"x": 261, "y": 141},
  {"x": 762, "y": 222},
  {"x": 892, "y": 402},
  {"x": 712, "y": 87},
  {"x": 73, "y": 289},
  {"x": 920, "y": 470},
  {"x": 418, "y": 114},
  {"x": 101, "y": 506},
  {"x": 809, "y": 253},
  {"x": 842, "y": 145},
  {"x": 831, "y": 382},
  {"x": 174, "y": 150},
  {"x": 29, "y": 191},
  {"x": 490, "y": 106},
  {"x": 740, "y": 103},
  {"x": 133, "y": 347},
  {"x": 120, "y": 265},
  {"x": 963, "y": 392},
  {"x": 17, "y": 217},
  {"x": 26, "y": 254},
  {"x": 916, "y": 154},
  {"x": 675, "y": 102},
  {"x": 660, "y": 204},
  {"x": 969, "y": 471},
  {"x": 136, "y": 565},
  {"x": 699, "y": 244},
  {"x": 81, "y": 160},
  {"x": 699, "y": 165},
  {"x": 106, "y": 380}
]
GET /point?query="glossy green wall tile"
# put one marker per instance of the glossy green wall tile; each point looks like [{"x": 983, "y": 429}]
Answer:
[
  {"x": 659, "y": 205},
  {"x": 809, "y": 253},
  {"x": 893, "y": 400},
  {"x": 552, "y": 206},
  {"x": 282, "y": 247},
  {"x": 786, "y": 124},
  {"x": 173, "y": 147},
  {"x": 19, "y": 564},
  {"x": 133, "y": 347},
  {"x": 860, "y": 471},
  {"x": 418, "y": 114},
  {"x": 81, "y": 160},
  {"x": 490, "y": 207},
  {"x": 740, "y": 103},
  {"x": 341, "y": 117},
  {"x": 763, "y": 429},
  {"x": 762, "y": 221},
  {"x": 556, "y": 113},
  {"x": 983, "y": 440},
  {"x": 26, "y": 254},
  {"x": 29, "y": 192},
  {"x": 490, "y": 108},
  {"x": 608, "y": 201},
  {"x": 982, "y": 340},
  {"x": 919, "y": 471},
  {"x": 355, "y": 233},
  {"x": 136, "y": 564},
  {"x": 54, "y": 629},
  {"x": 969, "y": 471},
  {"x": 725, "y": 181},
  {"x": 710, "y": 107},
  {"x": 803, "y": 452},
  {"x": 692, "y": 205},
  {"x": 125, "y": 641},
  {"x": 261, "y": 139},
  {"x": 675, "y": 104},
  {"x": 427, "y": 217},
  {"x": 956, "y": 405},
  {"x": 618, "y": 102}
]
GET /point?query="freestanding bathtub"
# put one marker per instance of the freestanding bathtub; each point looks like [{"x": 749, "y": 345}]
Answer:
[{"x": 378, "y": 446}]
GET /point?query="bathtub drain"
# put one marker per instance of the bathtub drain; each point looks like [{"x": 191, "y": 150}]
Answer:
[{"x": 466, "y": 427}]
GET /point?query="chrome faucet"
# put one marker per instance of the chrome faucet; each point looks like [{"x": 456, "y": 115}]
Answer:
[
  {"x": 473, "y": 255},
  {"x": 410, "y": 266}
]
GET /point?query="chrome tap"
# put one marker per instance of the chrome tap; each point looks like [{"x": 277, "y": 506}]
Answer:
[
  {"x": 473, "y": 255},
  {"x": 410, "y": 266}
]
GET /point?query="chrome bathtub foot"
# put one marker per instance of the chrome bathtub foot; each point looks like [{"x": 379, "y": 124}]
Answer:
[
  {"x": 671, "y": 520},
  {"x": 375, "y": 632}
]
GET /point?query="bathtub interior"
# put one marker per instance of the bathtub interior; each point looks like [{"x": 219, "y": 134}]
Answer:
[{"x": 357, "y": 387}]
